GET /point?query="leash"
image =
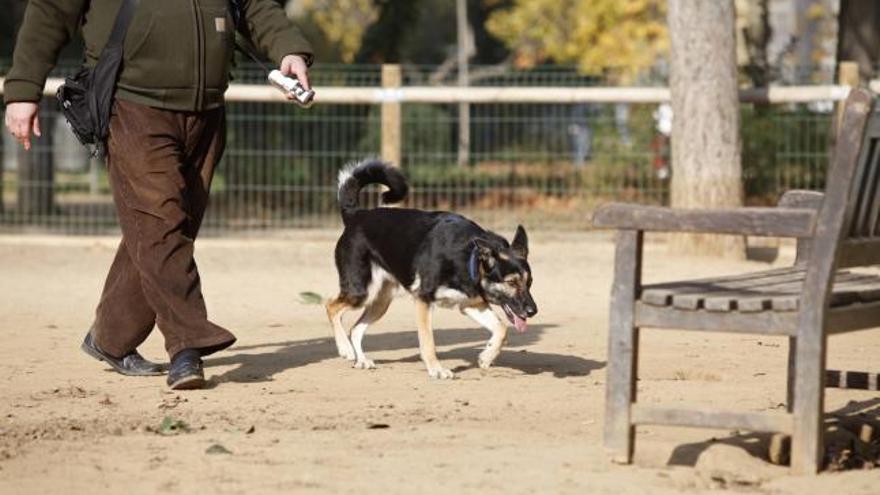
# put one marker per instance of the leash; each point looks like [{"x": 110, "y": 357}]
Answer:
[
  {"x": 242, "y": 34},
  {"x": 244, "y": 47},
  {"x": 237, "y": 12}
]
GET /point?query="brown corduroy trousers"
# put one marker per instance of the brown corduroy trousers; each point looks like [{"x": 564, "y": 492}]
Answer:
[{"x": 160, "y": 164}]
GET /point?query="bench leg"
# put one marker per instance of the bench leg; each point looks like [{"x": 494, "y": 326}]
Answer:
[
  {"x": 792, "y": 371},
  {"x": 623, "y": 345},
  {"x": 620, "y": 394},
  {"x": 807, "y": 450}
]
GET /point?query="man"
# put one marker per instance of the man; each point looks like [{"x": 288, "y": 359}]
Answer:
[{"x": 167, "y": 133}]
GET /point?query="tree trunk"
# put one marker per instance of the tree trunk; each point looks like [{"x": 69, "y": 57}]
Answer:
[
  {"x": 2, "y": 167},
  {"x": 858, "y": 38},
  {"x": 706, "y": 169},
  {"x": 7, "y": 144}
]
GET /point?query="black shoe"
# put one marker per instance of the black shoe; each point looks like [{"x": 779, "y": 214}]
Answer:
[
  {"x": 185, "y": 372},
  {"x": 132, "y": 364}
]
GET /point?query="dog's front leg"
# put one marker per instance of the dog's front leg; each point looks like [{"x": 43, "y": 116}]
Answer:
[
  {"x": 426, "y": 342},
  {"x": 484, "y": 316}
]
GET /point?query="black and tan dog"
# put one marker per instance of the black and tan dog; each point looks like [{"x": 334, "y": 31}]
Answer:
[{"x": 439, "y": 257}]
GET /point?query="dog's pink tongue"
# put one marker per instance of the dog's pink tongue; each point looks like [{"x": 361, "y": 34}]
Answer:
[{"x": 520, "y": 324}]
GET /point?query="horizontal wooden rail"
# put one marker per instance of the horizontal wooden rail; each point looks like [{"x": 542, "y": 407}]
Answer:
[
  {"x": 860, "y": 380},
  {"x": 761, "y": 323},
  {"x": 443, "y": 94},
  {"x": 853, "y": 317},
  {"x": 774, "y": 422},
  {"x": 757, "y": 221}
]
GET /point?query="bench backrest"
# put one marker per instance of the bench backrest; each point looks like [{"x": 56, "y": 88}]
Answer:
[
  {"x": 839, "y": 238},
  {"x": 859, "y": 183}
]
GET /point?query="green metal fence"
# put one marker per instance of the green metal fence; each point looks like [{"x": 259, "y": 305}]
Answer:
[{"x": 544, "y": 165}]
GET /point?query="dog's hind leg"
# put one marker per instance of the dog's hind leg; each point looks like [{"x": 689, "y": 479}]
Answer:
[
  {"x": 375, "y": 309},
  {"x": 487, "y": 318},
  {"x": 335, "y": 309},
  {"x": 426, "y": 342}
]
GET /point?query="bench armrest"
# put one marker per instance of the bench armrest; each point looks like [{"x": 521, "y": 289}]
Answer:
[
  {"x": 772, "y": 222},
  {"x": 801, "y": 198}
]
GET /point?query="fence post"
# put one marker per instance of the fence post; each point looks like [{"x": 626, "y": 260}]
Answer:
[
  {"x": 847, "y": 75},
  {"x": 391, "y": 131},
  {"x": 464, "y": 52}
]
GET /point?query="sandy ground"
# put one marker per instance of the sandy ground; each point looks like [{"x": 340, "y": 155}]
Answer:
[{"x": 292, "y": 417}]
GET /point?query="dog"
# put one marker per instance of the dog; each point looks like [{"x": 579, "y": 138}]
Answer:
[{"x": 440, "y": 258}]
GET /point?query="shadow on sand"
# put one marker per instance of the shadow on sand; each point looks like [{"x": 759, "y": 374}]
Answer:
[
  {"x": 841, "y": 433},
  {"x": 280, "y": 356}
]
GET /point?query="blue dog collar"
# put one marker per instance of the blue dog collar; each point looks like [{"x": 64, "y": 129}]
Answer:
[{"x": 474, "y": 264}]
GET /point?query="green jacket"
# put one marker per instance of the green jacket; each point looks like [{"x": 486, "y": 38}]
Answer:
[{"x": 177, "y": 53}]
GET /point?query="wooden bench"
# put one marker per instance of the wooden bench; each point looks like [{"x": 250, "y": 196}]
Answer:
[{"x": 808, "y": 301}]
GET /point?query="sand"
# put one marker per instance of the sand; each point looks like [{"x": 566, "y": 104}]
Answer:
[{"x": 283, "y": 414}]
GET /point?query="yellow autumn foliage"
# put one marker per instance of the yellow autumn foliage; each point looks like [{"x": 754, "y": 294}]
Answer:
[
  {"x": 343, "y": 22},
  {"x": 627, "y": 36}
]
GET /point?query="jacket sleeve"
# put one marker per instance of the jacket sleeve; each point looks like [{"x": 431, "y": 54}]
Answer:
[
  {"x": 273, "y": 33},
  {"x": 47, "y": 26}
]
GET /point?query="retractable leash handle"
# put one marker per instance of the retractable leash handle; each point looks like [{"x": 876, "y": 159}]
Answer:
[
  {"x": 287, "y": 85},
  {"x": 290, "y": 85}
]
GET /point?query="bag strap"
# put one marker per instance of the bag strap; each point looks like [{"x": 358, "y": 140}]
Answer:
[
  {"x": 237, "y": 11},
  {"x": 120, "y": 25},
  {"x": 242, "y": 33},
  {"x": 105, "y": 74}
]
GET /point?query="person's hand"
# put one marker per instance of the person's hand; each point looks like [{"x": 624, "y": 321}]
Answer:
[
  {"x": 295, "y": 65},
  {"x": 21, "y": 117}
]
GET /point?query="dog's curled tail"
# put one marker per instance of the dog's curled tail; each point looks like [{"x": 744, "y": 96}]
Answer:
[{"x": 353, "y": 178}]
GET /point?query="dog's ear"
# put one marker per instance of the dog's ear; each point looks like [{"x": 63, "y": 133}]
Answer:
[
  {"x": 485, "y": 251},
  {"x": 520, "y": 244}
]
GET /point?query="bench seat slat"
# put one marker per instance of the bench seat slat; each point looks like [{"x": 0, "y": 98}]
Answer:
[
  {"x": 773, "y": 290},
  {"x": 689, "y": 295}
]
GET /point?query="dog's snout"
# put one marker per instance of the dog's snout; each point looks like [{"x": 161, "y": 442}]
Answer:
[{"x": 531, "y": 311}]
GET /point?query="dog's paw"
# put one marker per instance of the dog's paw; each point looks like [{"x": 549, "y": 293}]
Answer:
[
  {"x": 366, "y": 364},
  {"x": 345, "y": 350},
  {"x": 441, "y": 373},
  {"x": 487, "y": 357}
]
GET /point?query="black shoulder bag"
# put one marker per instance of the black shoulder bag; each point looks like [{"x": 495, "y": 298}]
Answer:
[{"x": 85, "y": 98}]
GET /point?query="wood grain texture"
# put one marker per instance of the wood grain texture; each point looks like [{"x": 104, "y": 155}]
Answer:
[
  {"x": 859, "y": 380},
  {"x": 805, "y": 302},
  {"x": 859, "y": 252},
  {"x": 763, "y": 323},
  {"x": 391, "y": 112},
  {"x": 807, "y": 446},
  {"x": 773, "y": 422},
  {"x": 852, "y": 318},
  {"x": 799, "y": 198},
  {"x": 623, "y": 345},
  {"x": 774, "y": 290},
  {"x": 774, "y": 222}
]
